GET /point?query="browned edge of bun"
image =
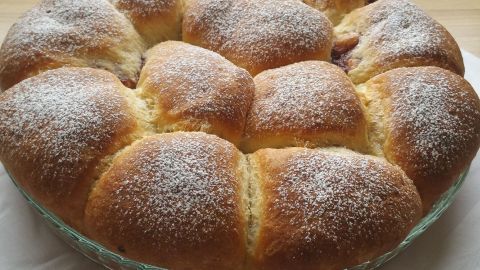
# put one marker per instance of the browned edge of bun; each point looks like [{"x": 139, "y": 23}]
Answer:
[
  {"x": 390, "y": 34},
  {"x": 175, "y": 200},
  {"x": 70, "y": 33},
  {"x": 258, "y": 35},
  {"x": 328, "y": 208},
  {"x": 190, "y": 88},
  {"x": 58, "y": 131},
  {"x": 427, "y": 121},
  {"x": 307, "y": 104}
]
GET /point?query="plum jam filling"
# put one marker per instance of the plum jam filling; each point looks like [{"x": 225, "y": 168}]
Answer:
[{"x": 342, "y": 51}]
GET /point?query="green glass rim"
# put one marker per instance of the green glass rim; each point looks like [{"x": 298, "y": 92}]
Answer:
[{"x": 99, "y": 254}]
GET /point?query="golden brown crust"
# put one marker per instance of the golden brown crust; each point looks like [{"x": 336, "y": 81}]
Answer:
[
  {"x": 311, "y": 103},
  {"x": 392, "y": 34},
  {"x": 432, "y": 125},
  {"x": 155, "y": 20},
  {"x": 80, "y": 33},
  {"x": 56, "y": 128},
  {"x": 329, "y": 209},
  {"x": 335, "y": 10},
  {"x": 79, "y": 142},
  {"x": 194, "y": 89},
  {"x": 258, "y": 35},
  {"x": 173, "y": 200}
]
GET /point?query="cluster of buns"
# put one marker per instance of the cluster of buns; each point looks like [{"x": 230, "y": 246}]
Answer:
[{"x": 278, "y": 134}]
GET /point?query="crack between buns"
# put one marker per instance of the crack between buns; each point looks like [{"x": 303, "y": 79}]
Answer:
[
  {"x": 254, "y": 207},
  {"x": 374, "y": 111}
]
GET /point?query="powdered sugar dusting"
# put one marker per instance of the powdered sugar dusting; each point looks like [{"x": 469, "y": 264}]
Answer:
[
  {"x": 60, "y": 120},
  {"x": 401, "y": 28},
  {"x": 256, "y": 33},
  {"x": 66, "y": 32},
  {"x": 334, "y": 9},
  {"x": 395, "y": 33},
  {"x": 304, "y": 96},
  {"x": 182, "y": 188},
  {"x": 65, "y": 26},
  {"x": 342, "y": 199},
  {"x": 434, "y": 116},
  {"x": 145, "y": 8},
  {"x": 194, "y": 81}
]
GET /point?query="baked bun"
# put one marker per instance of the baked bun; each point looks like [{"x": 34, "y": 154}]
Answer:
[
  {"x": 87, "y": 148},
  {"x": 327, "y": 209},
  {"x": 309, "y": 104},
  {"x": 430, "y": 125},
  {"x": 194, "y": 89},
  {"x": 389, "y": 34},
  {"x": 56, "y": 129},
  {"x": 80, "y": 33},
  {"x": 174, "y": 200},
  {"x": 258, "y": 35},
  {"x": 335, "y": 10},
  {"x": 155, "y": 20}
]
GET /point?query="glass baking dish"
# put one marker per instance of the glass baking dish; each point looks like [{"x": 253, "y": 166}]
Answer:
[{"x": 111, "y": 260}]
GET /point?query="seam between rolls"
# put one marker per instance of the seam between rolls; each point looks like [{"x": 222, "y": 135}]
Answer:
[
  {"x": 104, "y": 165},
  {"x": 128, "y": 19},
  {"x": 375, "y": 116},
  {"x": 253, "y": 208},
  {"x": 143, "y": 41},
  {"x": 141, "y": 112}
]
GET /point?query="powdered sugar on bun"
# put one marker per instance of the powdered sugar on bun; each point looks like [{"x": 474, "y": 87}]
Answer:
[
  {"x": 194, "y": 89},
  {"x": 311, "y": 103},
  {"x": 155, "y": 20},
  {"x": 89, "y": 149},
  {"x": 56, "y": 127},
  {"x": 335, "y": 9},
  {"x": 329, "y": 207},
  {"x": 394, "y": 33},
  {"x": 432, "y": 125},
  {"x": 258, "y": 35},
  {"x": 169, "y": 194},
  {"x": 80, "y": 33}
]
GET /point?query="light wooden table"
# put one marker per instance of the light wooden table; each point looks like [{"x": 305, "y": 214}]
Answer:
[{"x": 460, "y": 17}]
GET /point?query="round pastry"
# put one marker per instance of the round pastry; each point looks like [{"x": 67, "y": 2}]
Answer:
[
  {"x": 57, "y": 130},
  {"x": 310, "y": 104},
  {"x": 258, "y": 35},
  {"x": 335, "y": 10},
  {"x": 155, "y": 20},
  {"x": 87, "y": 148},
  {"x": 389, "y": 34},
  {"x": 80, "y": 33},
  {"x": 327, "y": 209},
  {"x": 429, "y": 126},
  {"x": 194, "y": 89},
  {"x": 175, "y": 200}
]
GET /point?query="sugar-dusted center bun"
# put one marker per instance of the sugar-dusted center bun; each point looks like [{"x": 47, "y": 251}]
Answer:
[
  {"x": 56, "y": 128},
  {"x": 194, "y": 89},
  {"x": 389, "y": 34},
  {"x": 258, "y": 35},
  {"x": 174, "y": 200},
  {"x": 430, "y": 125},
  {"x": 327, "y": 209},
  {"x": 310, "y": 103}
]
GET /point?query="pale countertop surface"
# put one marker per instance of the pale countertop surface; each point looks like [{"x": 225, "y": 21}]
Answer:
[{"x": 461, "y": 18}]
